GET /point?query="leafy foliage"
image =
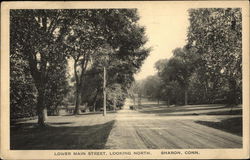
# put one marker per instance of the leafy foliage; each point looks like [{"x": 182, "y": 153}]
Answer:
[
  {"x": 36, "y": 36},
  {"x": 22, "y": 89},
  {"x": 209, "y": 67},
  {"x": 216, "y": 35},
  {"x": 111, "y": 38}
]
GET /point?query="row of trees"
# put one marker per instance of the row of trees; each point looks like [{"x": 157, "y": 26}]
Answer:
[
  {"x": 42, "y": 42},
  {"x": 208, "y": 69}
]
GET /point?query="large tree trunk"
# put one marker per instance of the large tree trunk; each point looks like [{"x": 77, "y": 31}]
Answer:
[
  {"x": 78, "y": 89},
  {"x": 77, "y": 103},
  {"x": 41, "y": 111},
  {"x": 94, "y": 102},
  {"x": 79, "y": 79},
  {"x": 186, "y": 97}
]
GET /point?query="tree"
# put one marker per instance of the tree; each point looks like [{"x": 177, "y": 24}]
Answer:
[
  {"x": 179, "y": 68},
  {"x": 152, "y": 88},
  {"x": 22, "y": 89},
  {"x": 216, "y": 34},
  {"x": 133, "y": 91},
  {"x": 91, "y": 94},
  {"x": 109, "y": 37},
  {"x": 115, "y": 94},
  {"x": 57, "y": 87},
  {"x": 81, "y": 43},
  {"x": 37, "y": 35}
]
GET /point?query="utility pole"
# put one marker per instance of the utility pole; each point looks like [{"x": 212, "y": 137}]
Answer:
[{"x": 104, "y": 91}]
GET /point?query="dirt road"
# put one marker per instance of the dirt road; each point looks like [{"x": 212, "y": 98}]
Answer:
[
  {"x": 142, "y": 130},
  {"x": 152, "y": 126}
]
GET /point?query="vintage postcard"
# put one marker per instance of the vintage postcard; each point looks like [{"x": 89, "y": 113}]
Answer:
[{"x": 125, "y": 80}]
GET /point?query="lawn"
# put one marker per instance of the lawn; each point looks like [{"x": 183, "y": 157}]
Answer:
[
  {"x": 221, "y": 116},
  {"x": 63, "y": 132},
  {"x": 231, "y": 125},
  {"x": 92, "y": 130}
]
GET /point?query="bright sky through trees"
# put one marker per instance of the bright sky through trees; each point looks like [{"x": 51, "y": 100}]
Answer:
[{"x": 166, "y": 29}]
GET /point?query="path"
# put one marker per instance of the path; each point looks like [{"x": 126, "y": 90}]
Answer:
[{"x": 138, "y": 130}]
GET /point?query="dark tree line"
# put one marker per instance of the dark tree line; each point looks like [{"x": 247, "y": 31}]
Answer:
[
  {"x": 208, "y": 69},
  {"x": 42, "y": 41}
]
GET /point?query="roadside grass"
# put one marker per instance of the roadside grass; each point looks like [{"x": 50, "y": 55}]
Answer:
[
  {"x": 91, "y": 130},
  {"x": 231, "y": 125},
  {"x": 74, "y": 134},
  {"x": 228, "y": 112},
  {"x": 205, "y": 109}
]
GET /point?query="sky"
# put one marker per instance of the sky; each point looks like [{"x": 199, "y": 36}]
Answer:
[{"x": 166, "y": 29}]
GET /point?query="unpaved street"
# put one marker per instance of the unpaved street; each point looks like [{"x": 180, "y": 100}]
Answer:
[
  {"x": 152, "y": 126},
  {"x": 138, "y": 130}
]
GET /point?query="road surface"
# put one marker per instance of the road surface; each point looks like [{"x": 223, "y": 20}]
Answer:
[
  {"x": 150, "y": 127},
  {"x": 147, "y": 130}
]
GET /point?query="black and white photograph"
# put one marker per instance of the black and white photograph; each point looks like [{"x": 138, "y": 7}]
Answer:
[{"x": 125, "y": 82}]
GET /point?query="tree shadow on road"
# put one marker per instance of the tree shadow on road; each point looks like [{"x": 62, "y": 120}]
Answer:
[
  {"x": 213, "y": 113},
  {"x": 231, "y": 125},
  {"x": 26, "y": 136},
  {"x": 191, "y": 110},
  {"x": 179, "y": 109},
  {"x": 91, "y": 113}
]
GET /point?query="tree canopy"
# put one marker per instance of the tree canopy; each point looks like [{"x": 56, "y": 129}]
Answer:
[
  {"x": 119, "y": 47},
  {"x": 44, "y": 40},
  {"x": 209, "y": 67},
  {"x": 216, "y": 35},
  {"x": 36, "y": 35}
]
